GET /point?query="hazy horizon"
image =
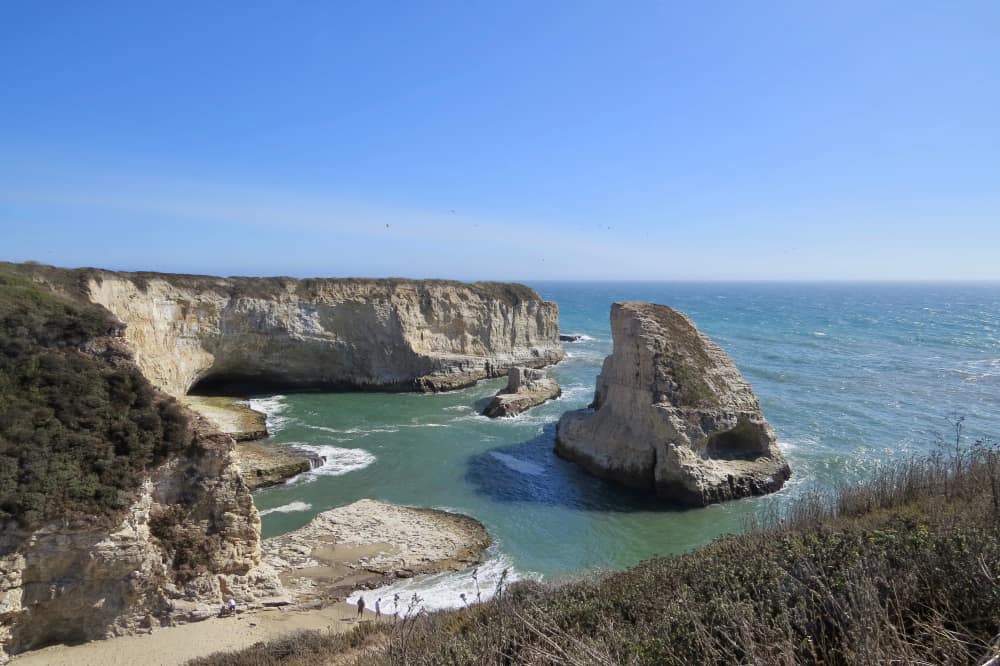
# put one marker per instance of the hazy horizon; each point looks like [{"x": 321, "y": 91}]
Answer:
[{"x": 651, "y": 141}]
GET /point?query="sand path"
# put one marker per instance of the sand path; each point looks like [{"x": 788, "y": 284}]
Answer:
[{"x": 173, "y": 646}]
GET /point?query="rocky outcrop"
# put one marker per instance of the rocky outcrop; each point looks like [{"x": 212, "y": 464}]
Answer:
[
  {"x": 265, "y": 465},
  {"x": 526, "y": 388},
  {"x": 232, "y": 416},
  {"x": 369, "y": 543},
  {"x": 264, "y": 333},
  {"x": 190, "y": 540},
  {"x": 672, "y": 415}
]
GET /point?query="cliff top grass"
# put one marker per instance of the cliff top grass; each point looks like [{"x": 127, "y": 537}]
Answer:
[
  {"x": 73, "y": 281},
  {"x": 902, "y": 568},
  {"x": 77, "y": 430}
]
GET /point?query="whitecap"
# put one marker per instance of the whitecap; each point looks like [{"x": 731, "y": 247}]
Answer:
[
  {"x": 272, "y": 409},
  {"x": 291, "y": 507},
  {"x": 518, "y": 464},
  {"x": 338, "y": 461},
  {"x": 819, "y": 334},
  {"x": 442, "y": 591}
]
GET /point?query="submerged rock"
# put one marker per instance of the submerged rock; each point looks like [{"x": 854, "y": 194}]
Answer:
[
  {"x": 672, "y": 415},
  {"x": 526, "y": 388}
]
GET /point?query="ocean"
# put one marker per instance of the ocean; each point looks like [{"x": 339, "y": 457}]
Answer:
[{"x": 851, "y": 376}]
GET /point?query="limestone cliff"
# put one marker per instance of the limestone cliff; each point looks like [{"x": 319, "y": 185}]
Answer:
[
  {"x": 672, "y": 415},
  {"x": 360, "y": 334},
  {"x": 526, "y": 388}
]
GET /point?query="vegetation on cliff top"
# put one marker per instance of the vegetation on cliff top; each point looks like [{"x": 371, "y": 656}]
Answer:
[
  {"x": 904, "y": 568},
  {"x": 78, "y": 430}
]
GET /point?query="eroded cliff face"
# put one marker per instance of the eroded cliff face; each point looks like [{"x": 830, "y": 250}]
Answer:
[
  {"x": 326, "y": 333},
  {"x": 186, "y": 538},
  {"x": 672, "y": 415},
  {"x": 189, "y": 541}
]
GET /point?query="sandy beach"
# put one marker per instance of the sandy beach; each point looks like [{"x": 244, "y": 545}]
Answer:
[{"x": 173, "y": 646}]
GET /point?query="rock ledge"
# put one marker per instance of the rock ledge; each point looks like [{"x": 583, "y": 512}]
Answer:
[{"x": 526, "y": 388}]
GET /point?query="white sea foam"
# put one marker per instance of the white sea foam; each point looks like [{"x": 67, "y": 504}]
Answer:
[
  {"x": 441, "y": 591},
  {"x": 291, "y": 507},
  {"x": 581, "y": 337},
  {"x": 272, "y": 408},
  {"x": 518, "y": 465},
  {"x": 819, "y": 334},
  {"x": 339, "y": 461},
  {"x": 352, "y": 431}
]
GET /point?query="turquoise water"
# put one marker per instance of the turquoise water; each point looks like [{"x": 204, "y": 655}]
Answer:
[{"x": 848, "y": 375}]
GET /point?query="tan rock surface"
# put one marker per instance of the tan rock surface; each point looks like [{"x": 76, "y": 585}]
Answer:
[
  {"x": 392, "y": 334},
  {"x": 526, "y": 388},
  {"x": 367, "y": 543},
  {"x": 672, "y": 415}
]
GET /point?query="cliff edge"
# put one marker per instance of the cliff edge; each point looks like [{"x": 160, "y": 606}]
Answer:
[
  {"x": 672, "y": 415},
  {"x": 232, "y": 335}
]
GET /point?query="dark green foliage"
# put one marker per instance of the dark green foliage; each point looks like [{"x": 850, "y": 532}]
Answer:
[{"x": 77, "y": 430}]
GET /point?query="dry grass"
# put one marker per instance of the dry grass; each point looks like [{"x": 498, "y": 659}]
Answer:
[{"x": 901, "y": 569}]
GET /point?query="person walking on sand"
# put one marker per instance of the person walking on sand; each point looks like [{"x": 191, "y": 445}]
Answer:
[
  {"x": 361, "y": 606},
  {"x": 378, "y": 608}
]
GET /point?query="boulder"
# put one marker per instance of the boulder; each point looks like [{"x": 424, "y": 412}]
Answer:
[
  {"x": 672, "y": 415},
  {"x": 526, "y": 388}
]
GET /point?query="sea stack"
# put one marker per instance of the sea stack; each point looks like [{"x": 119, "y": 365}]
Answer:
[
  {"x": 672, "y": 415},
  {"x": 526, "y": 388}
]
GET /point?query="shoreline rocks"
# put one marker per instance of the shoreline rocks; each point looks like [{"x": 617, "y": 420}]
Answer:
[
  {"x": 526, "y": 388},
  {"x": 370, "y": 543},
  {"x": 233, "y": 416},
  {"x": 265, "y": 465},
  {"x": 672, "y": 415}
]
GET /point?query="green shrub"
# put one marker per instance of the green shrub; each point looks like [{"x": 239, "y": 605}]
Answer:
[{"x": 78, "y": 430}]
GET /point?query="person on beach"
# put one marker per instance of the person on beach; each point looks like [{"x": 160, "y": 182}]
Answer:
[
  {"x": 395, "y": 604},
  {"x": 378, "y": 608},
  {"x": 361, "y": 606},
  {"x": 232, "y": 606}
]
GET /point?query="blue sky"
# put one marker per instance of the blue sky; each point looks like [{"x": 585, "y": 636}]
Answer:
[{"x": 504, "y": 140}]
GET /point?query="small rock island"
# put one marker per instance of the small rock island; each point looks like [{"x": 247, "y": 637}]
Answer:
[
  {"x": 526, "y": 388},
  {"x": 672, "y": 415}
]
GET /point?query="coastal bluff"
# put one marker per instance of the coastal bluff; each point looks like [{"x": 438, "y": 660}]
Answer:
[
  {"x": 229, "y": 335},
  {"x": 672, "y": 415}
]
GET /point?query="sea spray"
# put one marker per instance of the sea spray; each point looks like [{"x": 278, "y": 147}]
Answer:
[
  {"x": 445, "y": 591},
  {"x": 272, "y": 409},
  {"x": 291, "y": 507}
]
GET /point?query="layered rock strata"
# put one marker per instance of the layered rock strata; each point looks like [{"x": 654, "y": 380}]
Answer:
[
  {"x": 526, "y": 388},
  {"x": 266, "y": 465},
  {"x": 392, "y": 334},
  {"x": 369, "y": 543},
  {"x": 672, "y": 415}
]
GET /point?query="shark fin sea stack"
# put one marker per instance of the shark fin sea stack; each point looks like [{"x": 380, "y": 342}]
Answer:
[{"x": 672, "y": 415}]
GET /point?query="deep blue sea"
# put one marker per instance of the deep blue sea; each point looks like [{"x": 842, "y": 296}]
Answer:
[{"x": 850, "y": 375}]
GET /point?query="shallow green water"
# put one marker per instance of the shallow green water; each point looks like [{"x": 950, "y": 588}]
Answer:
[{"x": 849, "y": 376}]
